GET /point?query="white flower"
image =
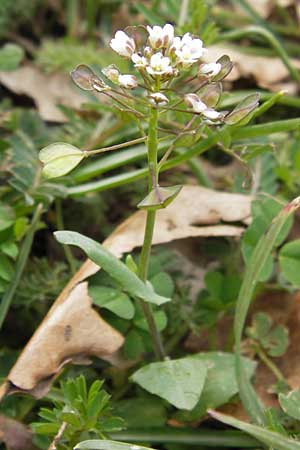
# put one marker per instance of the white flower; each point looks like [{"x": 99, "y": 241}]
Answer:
[
  {"x": 157, "y": 98},
  {"x": 210, "y": 69},
  {"x": 123, "y": 44},
  {"x": 139, "y": 61},
  {"x": 159, "y": 65},
  {"x": 161, "y": 37},
  {"x": 128, "y": 81},
  {"x": 194, "y": 102},
  {"x": 190, "y": 50}
]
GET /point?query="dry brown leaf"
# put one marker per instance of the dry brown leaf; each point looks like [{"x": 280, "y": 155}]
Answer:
[
  {"x": 47, "y": 91},
  {"x": 15, "y": 435},
  {"x": 70, "y": 332},
  {"x": 195, "y": 212},
  {"x": 269, "y": 72}
]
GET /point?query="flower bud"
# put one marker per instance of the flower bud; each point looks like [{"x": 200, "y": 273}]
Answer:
[
  {"x": 210, "y": 69},
  {"x": 161, "y": 37},
  {"x": 159, "y": 99},
  {"x": 123, "y": 44},
  {"x": 128, "y": 81}
]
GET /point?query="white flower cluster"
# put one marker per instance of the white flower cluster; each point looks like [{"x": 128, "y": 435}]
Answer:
[{"x": 163, "y": 57}]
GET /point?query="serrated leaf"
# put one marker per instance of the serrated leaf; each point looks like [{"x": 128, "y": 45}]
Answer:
[
  {"x": 115, "y": 301},
  {"x": 112, "y": 265},
  {"x": 180, "y": 381},
  {"x": 59, "y": 159},
  {"x": 290, "y": 403}
]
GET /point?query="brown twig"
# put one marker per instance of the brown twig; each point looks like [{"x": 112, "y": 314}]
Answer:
[{"x": 58, "y": 436}]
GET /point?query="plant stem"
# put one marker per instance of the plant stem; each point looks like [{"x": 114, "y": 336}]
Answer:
[
  {"x": 20, "y": 264},
  {"x": 266, "y": 360},
  {"x": 149, "y": 229}
]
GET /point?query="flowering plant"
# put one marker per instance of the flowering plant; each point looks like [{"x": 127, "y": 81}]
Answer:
[{"x": 171, "y": 77}]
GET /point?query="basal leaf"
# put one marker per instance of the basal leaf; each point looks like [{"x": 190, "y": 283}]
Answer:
[
  {"x": 290, "y": 403},
  {"x": 180, "y": 381}
]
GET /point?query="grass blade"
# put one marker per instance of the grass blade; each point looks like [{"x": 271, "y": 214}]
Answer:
[{"x": 261, "y": 252}]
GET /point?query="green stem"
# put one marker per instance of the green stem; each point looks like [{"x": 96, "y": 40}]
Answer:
[
  {"x": 187, "y": 436},
  {"x": 266, "y": 360},
  {"x": 60, "y": 226},
  {"x": 20, "y": 265},
  {"x": 149, "y": 229}
]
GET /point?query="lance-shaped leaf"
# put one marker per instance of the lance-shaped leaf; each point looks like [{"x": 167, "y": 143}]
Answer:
[
  {"x": 180, "y": 381},
  {"x": 226, "y": 67},
  {"x": 269, "y": 438},
  {"x": 97, "y": 444},
  {"x": 211, "y": 94},
  {"x": 59, "y": 159},
  {"x": 86, "y": 79},
  {"x": 242, "y": 110},
  {"x": 115, "y": 268},
  {"x": 159, "y": 197}
]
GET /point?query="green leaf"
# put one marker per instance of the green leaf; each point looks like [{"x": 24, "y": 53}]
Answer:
[
  {"x": 163, "y": 284},
  {"x": 290, "y": 403},
  {"x": 10, "y": 249},
  {"x": 134, "y": 344},
  {"x": 252, "y": 275},
  {"x": 289, "y": 260},
  {"x": 6, "y": 268},
  {"x": 242, "y": 110},
  {"x": 220, "y": 384},
  {"x": 7, "y": 216},
  {"x": 10, "y": 56},
  {"x": 269, "y": 438},
  {"x": 95, "y": 444},
  {"x": 159, "y": 197},
  {"x": 59, "y": 159},
  {"x": 180, "y": 381},
  {"x": 113, "y": 300},
  {"x": 112, "y": 265},
  {"x": 160, "y": 320}
]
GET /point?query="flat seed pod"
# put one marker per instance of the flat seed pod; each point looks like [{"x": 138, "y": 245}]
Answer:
[
  {"x": 85, "y": 78},
  {"x": 227, "y": 66},
  {"x": 242, "y": 110},
  {"x": 59, "y": 159},
  {"x": 210, "y": 94}
]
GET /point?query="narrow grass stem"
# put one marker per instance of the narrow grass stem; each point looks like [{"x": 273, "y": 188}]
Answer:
[
  {"x": 149, "y": 229},
  {"x": 20, "y": 265}
]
